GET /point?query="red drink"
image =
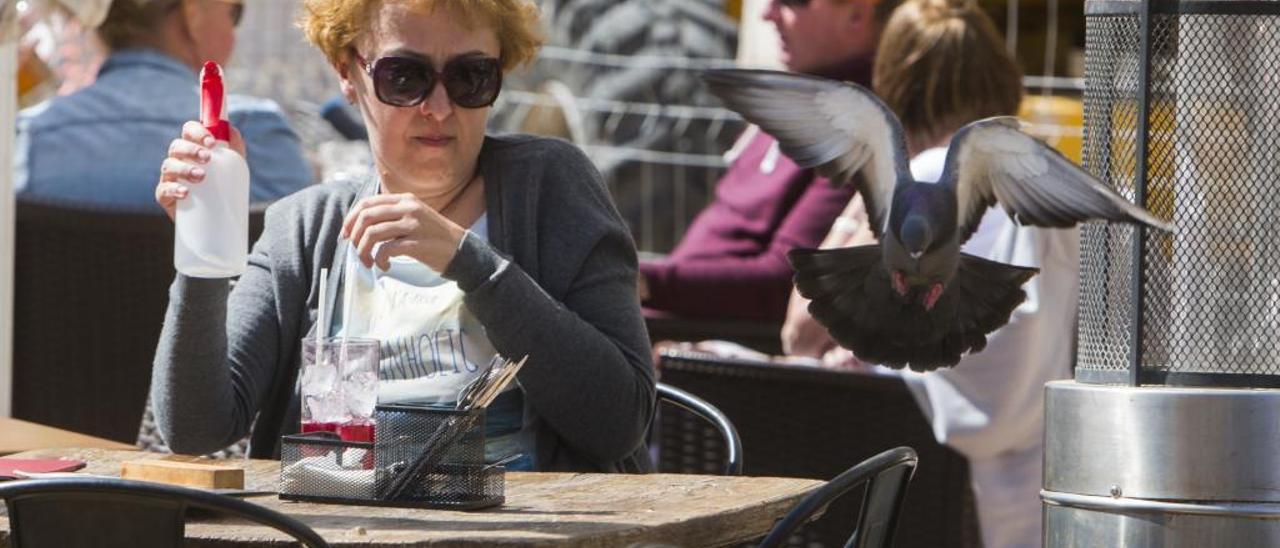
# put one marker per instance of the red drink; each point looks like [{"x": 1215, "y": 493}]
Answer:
[
  {"x": 348, "y": 431},
  {"x": 356, "y": 431},
  {"x": 320, "y": 427},
  {"x": 351, "y": 431}
]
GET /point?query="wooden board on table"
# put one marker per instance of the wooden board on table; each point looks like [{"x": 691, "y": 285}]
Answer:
[{"x": 190, "y": 474}]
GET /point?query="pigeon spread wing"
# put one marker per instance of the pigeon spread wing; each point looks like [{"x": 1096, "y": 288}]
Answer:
[
  {"x": 992, "y": 160},
  {"x": 840, "y": 129},
  {"x": 850, "y": 294}
]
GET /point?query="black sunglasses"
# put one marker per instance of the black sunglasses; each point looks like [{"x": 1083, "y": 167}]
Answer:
[
  {"x": 470, "y": 81},
  {"x": 794, "y": 3}
]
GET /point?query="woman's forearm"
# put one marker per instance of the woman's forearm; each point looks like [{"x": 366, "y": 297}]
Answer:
[{"x": 588, "y": 373}]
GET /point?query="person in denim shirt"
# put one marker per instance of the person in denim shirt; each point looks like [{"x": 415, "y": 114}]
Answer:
[{"x": 103, "y": 144}]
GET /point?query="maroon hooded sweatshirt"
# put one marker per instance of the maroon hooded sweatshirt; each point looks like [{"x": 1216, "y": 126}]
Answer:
[{"x": 732, "y": 261}]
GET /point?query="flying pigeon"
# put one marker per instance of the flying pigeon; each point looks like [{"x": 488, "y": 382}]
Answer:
[{"x": 915, "y": 300}]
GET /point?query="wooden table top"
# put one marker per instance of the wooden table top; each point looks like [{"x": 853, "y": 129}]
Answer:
[
  {"x": 562, "y": 509},
  {"x": 19, "y": 435}
]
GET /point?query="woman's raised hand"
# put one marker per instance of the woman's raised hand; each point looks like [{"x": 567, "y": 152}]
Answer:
[
  {"x": 184, "y": 166},
  {"x": 405, "y": 227}
]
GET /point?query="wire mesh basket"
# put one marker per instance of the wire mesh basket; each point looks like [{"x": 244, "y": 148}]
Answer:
[
  {"x": 1182, "y": 115},
  {"x": 421, "y": 457}
]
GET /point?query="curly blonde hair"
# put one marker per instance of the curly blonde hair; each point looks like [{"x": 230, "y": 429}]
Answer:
[{"x": 335, "y": 25}]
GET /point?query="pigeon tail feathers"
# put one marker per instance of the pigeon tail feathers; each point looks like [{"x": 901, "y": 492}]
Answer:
[{"x": 850, "y": 295}]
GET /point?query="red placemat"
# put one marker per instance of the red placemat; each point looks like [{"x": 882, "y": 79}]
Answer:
[{"x": 7, "y": 466}]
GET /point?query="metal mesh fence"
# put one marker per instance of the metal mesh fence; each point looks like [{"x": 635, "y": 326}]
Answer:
[
  {"x": 660, "y": 155},
  {"x": 273, "y": 60},
  {"x": 1210, "y": 292},
  {"x": 621, "y": 80}
]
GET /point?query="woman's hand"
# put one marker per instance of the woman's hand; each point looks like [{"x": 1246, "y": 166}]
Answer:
[
  {"x": 405, "y": 227},
  {"x": 184, "y": 166}
]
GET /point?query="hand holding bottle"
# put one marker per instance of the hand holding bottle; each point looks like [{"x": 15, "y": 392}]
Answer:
[
  {"x": 187, "y": 163},
  {"x": 205, "y": 189}
]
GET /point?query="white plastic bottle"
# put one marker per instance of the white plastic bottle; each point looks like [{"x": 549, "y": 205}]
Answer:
[{"x": 212, "y": 237}]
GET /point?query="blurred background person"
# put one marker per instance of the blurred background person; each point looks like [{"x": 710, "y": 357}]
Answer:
[
  {"x": 731, "y": 263},
  {"x": 941, "y": 66},
  {"x": 103, "y": 144}
]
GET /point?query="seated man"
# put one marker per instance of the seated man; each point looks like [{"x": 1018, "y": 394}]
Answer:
[
  {"x": 732, "y": 261},
  {"x": 103, "y": 144}
]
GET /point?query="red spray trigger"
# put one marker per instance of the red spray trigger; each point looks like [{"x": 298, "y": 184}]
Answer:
[{"x": 213, "y": 100}]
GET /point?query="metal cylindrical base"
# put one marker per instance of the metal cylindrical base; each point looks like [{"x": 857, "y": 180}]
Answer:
[
  {"x": 1156, "y": 466},
  {"x": 1094, "y": 527}
]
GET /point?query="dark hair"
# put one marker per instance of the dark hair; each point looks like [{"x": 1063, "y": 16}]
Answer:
[
  {"x": 941, "y": 65},
  {"x": 132, "y": 23}
]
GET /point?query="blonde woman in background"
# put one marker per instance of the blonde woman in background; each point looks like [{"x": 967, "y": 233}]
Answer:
[{"x": 941, "y": 65}]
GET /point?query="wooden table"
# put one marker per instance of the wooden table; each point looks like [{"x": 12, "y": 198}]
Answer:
[
  {"x": 562, "y": 509},
  {"x": 19, "y": 435}
]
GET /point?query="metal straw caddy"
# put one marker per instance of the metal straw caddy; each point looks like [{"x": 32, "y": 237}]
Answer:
[
  {"x": 447, "y": 446},
  {"x": 1165, "y": 437},
  {"x": 422, "y": 457}
]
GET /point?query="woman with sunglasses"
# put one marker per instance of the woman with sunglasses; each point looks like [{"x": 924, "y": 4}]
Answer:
[
  {"x": 519, "y": 231},
  {"x": 101, "y": 145}
]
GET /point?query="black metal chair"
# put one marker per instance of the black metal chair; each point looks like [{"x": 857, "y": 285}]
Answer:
[
  {"x": 110, "y": 512},
  {"x": 886, "y": 475},
  {"x": 729, "y": 435},
  {"x": 807, "y": 422}
]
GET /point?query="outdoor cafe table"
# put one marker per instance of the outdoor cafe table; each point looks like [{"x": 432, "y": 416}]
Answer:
[
  {"x": 561, "y": 509},
  {"x": 19, "y": 435}
]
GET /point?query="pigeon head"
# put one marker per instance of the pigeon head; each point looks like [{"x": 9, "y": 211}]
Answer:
[
  {"x": 921, "y": 250},
  {"x": 916, "y": 235}
]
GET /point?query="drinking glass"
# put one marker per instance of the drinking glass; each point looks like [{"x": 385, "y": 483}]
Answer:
[{"x": 339, "y": 387}]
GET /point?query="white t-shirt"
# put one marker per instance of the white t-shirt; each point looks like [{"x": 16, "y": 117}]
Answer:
[
  {"x": 431, "y": 345},
  {"x": 990, "y": 407}
]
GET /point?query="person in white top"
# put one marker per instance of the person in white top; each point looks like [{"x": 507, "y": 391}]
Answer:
[{"x": 940, "y": 66}]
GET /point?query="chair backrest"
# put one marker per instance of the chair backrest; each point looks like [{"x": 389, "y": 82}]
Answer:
[
  {"x": 90, "y": 291},
  {"x": 809, "y": 422},
  {"x": 886, "y": 475},
  {"x": 708, "y": 413},
  {"x": 109, "y": 513}
]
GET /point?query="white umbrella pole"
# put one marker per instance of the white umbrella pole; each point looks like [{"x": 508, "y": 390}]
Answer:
[{"x": 8, "y": 108}]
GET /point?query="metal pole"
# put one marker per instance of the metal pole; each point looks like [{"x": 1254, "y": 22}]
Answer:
[
  {"x": 1140, "y": 192},
  {"x": 8, "y": 108}
]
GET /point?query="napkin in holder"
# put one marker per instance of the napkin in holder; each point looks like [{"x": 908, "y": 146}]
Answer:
[{"x": 423, "y": 457}]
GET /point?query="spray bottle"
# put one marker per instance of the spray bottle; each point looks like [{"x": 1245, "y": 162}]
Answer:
[{"x": 212, "y": 236}]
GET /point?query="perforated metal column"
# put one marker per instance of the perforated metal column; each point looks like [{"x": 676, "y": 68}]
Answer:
[{"x": 1209, "y": 293}]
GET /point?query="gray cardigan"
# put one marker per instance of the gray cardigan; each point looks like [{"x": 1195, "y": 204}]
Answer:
[{"x": 556, "y": 283}]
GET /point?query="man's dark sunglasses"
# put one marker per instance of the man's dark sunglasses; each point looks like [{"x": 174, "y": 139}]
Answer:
[
  {"x": 470, "y": 81},
  {"x": 794, "y": 3}
]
